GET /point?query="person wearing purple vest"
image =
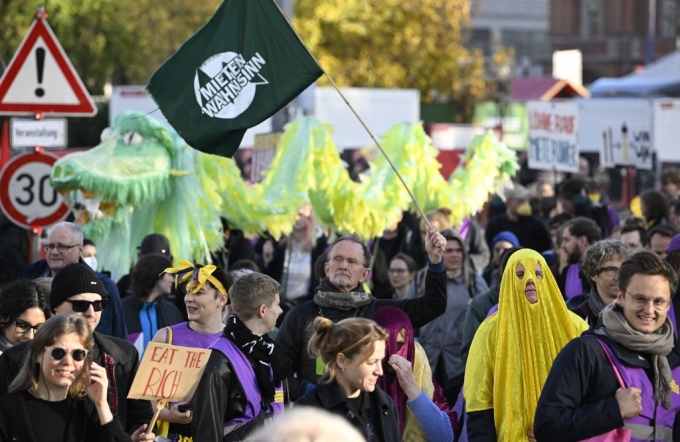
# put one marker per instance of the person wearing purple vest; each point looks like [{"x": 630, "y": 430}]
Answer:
[
  {"x": 206, "y": 298},
  {"x": 242, "y": 385},
  {"x": 583, "y": 398}
]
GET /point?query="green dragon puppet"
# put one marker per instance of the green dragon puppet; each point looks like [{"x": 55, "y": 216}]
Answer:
[{"x": 143, "y": 178}]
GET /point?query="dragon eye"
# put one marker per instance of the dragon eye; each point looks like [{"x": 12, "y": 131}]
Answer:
[
  {"x": 132, "y": 138},
  {"x": 106, "y": 134}
]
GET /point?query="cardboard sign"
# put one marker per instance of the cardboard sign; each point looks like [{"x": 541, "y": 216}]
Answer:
[
  {"x": 553, "y": 136},
  {"x": 626, "y": 143},
  {"x": 169, "y": 372}
]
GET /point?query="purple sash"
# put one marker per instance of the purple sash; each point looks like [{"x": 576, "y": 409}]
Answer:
[
  {"x": 465, "y": 228},
  {"x": 246, "y": 376}
]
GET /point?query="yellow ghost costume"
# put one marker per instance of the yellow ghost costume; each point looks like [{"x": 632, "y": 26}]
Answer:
[{"x": 513, "y": 350}]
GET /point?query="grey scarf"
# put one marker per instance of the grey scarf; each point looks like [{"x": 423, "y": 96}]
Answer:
[
  {"x": 595, "y": 302},
  {"x": 657, "y": 344}
]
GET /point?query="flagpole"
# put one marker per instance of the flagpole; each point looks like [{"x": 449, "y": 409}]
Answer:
[{"x": 413, "y": 198}]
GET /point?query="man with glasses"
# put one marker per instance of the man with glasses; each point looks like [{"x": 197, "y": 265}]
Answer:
[
  {"x": 582, "y": 397},
  {"x": 601, "y": 263},
  {"x": 340, "y": 295},
  {"x": 63, "y": 247},
  {"x": 77, "y": 290}
]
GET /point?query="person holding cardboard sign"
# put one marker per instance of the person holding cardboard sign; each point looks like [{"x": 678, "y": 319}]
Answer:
[
  {"x": 205, "y": 300},
  {"x": 241, "y": 386},
  {"x": 60, "y": 394}
]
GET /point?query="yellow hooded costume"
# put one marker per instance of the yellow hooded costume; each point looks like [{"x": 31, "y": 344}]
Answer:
[{"x": 513, "y": 350}]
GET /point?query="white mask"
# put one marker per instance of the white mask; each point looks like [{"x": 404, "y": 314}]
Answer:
[{"x": 91, "y": 261}]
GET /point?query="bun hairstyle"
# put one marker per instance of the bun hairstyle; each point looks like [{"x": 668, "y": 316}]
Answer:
[{"x": 348, "y": 337}]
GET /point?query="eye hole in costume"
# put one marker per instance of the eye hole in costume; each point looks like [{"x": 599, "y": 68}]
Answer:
[
  {"x": 539, "y": 272},
  {"x": 519, "y": 271}
]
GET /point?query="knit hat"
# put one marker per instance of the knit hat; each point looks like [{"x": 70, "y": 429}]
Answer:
[
  {"x": 155, "y": 243},
  {"x": 506, "y": 236},
  {"x": 72, "y": 280},
  {"x": 674, "y": 244}
]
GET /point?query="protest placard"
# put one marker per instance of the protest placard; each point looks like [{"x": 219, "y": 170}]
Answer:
[
  {"x": 625, "y": 144},
  {"x": 553, "y": 140},
  {"x": 169, "y": 372}
]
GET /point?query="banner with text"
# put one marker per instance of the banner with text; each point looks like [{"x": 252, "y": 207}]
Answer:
[
  {"x": 553, "y": 136},
  {"x": 169, "y": 372},
  {"x": 625, "y": 144}
]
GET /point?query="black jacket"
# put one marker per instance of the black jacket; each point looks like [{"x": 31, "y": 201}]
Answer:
[
  {"x": 17, "y": 425},
  {"x": 131, "y": 413},
  {"x": 219, "y": 398},
  {"x": 296, "y": 329},
  {"x": 578, "y": 399},
  {"x": 530, "y": 231},
  {"x": 331, "y": 398}
]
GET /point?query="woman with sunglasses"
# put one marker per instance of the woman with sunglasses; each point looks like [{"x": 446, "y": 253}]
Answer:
[
  {"x": 59, "y": 393},
  {"x": 424, "y": 413},
  {"x": 24, "y": 306},
  {"x": 353, "y": 350}
]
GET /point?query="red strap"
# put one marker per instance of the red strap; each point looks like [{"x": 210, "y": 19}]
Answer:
[{"x": 611, "y": 361}]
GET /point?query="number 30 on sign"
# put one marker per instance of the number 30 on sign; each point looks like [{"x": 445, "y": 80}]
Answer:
[{"x": 26, "y": 196}]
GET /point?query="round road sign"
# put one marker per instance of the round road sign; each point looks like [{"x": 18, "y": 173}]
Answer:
[{"x": 26, "y": 195}]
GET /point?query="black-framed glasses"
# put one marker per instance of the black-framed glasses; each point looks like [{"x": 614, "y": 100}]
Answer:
[
  {"x": 61, "y": 248},
  {"x": 610, "y": 271},
  {"x": 83, "y": 306},
  {"x": 641, "y": 301},
  {"x": 58, "y": 353},
  {"x": 23, "y": 327}
]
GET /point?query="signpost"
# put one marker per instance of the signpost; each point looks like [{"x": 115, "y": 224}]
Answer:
[
  {"x": 41, "y": 79},
  {"x": 26, "y": 196},
  {"x": 553, "y": 136},
  {"x": 45, "y": 133}
]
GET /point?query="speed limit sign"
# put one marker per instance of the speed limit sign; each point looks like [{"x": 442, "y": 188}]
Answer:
[{"x": 26, "y": 196}]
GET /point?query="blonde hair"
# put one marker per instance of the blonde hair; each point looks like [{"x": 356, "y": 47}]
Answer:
[
  {"x": 348, "y": 337},
  {"x": 47, "y": 334}
]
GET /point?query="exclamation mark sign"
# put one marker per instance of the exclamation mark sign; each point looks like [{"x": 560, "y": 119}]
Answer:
[{"x": 40, "y": 63}]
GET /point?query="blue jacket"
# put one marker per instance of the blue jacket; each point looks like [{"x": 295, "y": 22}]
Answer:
[{"x": 112, "y": 322}]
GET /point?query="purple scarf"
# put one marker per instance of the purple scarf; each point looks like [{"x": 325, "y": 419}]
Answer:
[
  {"x": 572, "y": 286},
  {"x": 394, "y": 320}
]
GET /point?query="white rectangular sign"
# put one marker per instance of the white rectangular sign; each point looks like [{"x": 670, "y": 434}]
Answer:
[
  {"x": 625, "y": 143},
  {"x": 553, "y": 136},
  {"x": 45, "y": 133}
]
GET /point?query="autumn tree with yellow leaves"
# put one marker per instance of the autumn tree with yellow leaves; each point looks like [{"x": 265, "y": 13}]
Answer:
[{"x": 396, "y": 44}]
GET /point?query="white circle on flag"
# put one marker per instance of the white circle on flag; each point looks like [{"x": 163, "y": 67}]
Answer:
[{"x": 218, "y": 69}]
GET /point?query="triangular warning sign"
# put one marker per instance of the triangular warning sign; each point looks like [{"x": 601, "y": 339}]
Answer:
[{"x": 40, "y": 78}]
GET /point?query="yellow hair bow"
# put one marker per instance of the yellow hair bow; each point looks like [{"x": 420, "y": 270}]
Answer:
[{"x": 197, "y": 277}]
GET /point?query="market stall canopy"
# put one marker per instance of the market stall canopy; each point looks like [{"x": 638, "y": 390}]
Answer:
[
  {"x": 658, "y": 79},
  {"x": 544, "y": 89}
]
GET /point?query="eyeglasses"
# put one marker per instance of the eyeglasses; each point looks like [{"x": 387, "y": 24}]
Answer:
[
  {"x": 23, "y": 327},
  {"x": 397, "y": 271},
  {"x": 610, "y": 271},
  {"x": 58, "y": 353},
  {"x": 60, "y": 247},
  {"x": 641, "y": 301},
  {"x": 83, "y": 306},
  {"x": 351, "y": 261}
]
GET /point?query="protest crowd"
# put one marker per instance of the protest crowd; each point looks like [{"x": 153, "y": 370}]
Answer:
[
  {"x": 555, "y": 325},
  {"x": 513, "y": 309}
]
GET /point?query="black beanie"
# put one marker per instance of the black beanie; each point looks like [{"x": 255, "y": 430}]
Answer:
[{"x": 72, "y": 280}]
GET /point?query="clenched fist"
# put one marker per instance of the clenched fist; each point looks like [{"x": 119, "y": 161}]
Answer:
[{"x": 630, "y": 401}]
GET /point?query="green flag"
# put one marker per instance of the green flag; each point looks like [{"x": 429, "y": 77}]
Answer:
[{"x": 239, "y": 69}]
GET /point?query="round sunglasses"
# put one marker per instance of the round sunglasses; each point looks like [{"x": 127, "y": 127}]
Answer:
[{"x": 58, "y": 353}]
